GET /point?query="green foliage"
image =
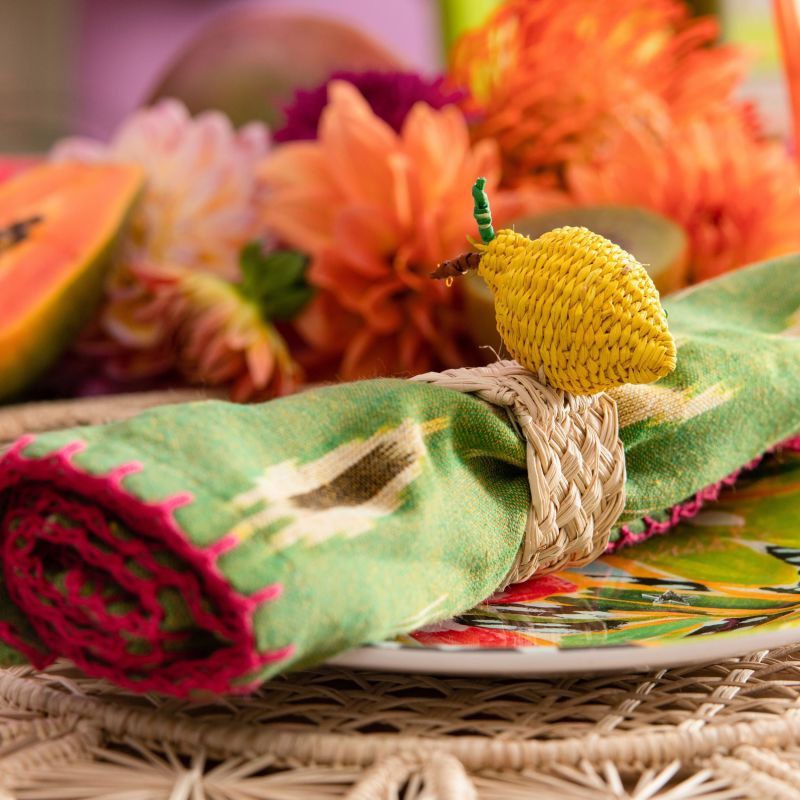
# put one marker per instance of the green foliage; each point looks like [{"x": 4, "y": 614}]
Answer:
[{"x": 275, "y": 281}]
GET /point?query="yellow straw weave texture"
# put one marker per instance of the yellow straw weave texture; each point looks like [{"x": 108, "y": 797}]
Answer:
[{"x": 577, "y": 308}]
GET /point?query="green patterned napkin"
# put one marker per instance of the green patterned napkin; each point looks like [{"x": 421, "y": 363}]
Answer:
[
  {"x": 207, "y": 547},
  {"x": 734, "y": 394}
]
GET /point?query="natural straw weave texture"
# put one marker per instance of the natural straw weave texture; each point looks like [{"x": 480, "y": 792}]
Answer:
[
  {"x": 575, "y": 460},
  {"x": 16, "y": 421},
  {"x": 720, "y": 731}
]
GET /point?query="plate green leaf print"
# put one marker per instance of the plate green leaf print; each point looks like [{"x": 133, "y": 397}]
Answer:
[{"x": 732, "y": 573}]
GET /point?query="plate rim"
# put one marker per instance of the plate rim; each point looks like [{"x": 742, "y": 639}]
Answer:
[{"x": 543, "y": 660}]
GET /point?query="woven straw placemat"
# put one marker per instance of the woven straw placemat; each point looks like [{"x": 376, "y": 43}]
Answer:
[{"x": 725, "y": 730}]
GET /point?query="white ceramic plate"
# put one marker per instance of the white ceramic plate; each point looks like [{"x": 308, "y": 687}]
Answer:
[{"x": 725, "y": 585}]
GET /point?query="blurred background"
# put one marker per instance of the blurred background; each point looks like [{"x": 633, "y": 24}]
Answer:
[
  {"x": 79, "y": 66},
  {"x": 288, "y": 235}
]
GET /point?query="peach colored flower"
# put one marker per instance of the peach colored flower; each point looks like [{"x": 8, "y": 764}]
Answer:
[
  {"x": 200, "y": 201},
  {"x": 377, "y": 211},
  {"x": 217, "y": 335},
  {"x": 174, "y": 302},
  {"x": 735, "y": 193},
  {"x": 554, "y": 80},
  {"x": 200, "y": 207}
]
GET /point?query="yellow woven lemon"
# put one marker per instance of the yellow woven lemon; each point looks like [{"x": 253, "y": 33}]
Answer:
[{"x": 572, "y": 305}]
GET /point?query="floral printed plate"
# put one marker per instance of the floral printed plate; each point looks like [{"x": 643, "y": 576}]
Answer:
[{"x": 724, "y": 585}]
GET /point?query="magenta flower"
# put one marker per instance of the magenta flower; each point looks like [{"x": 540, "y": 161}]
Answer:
[{"x": 391, "y": 95}]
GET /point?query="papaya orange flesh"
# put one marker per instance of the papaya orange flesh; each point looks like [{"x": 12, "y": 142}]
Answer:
[{"x": 59, "y": 224}]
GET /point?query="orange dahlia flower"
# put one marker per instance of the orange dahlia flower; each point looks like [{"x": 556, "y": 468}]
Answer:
[
  {"x": 377, "y": 211},
  {"x": 735, "y": 194},
  {"x": 554, "y": 80}
]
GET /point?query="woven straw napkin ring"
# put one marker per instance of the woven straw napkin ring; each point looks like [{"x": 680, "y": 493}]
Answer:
[{"x": 575, "y": 461}]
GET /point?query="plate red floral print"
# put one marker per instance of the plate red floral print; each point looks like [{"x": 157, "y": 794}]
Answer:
[{"x": 726, "y": 584}]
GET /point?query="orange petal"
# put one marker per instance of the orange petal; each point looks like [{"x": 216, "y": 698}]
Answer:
[
  {"x": 380, "y": 306},
  {"x": 260, "y": 362},
  {"x": 357, "y": 145},
  {"x": 330, "y": 270},
  {"x": 295, "y": 164},
  {"x": 370, "y": 356},
  {"x": 366, "y": 238},
  {"x": 326, "y": 325},
  {"x": 305, "y": 223},
  {"x": 437, "y": 143},
  {"x": 302, "y": 199},
  {"x": 122, "y": 320}
]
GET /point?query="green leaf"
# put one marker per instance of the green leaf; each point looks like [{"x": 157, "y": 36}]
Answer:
[
  {"x": 288, "y": 304},
  {"x": 286, "y": 268},
  {"x": 275, "y": 281}
]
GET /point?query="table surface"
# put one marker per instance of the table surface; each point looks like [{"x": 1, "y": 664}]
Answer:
[{"x": 721, "y": 730}]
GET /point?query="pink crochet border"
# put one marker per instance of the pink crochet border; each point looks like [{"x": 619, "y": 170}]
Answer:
[
  {"x": 690, "y": 508},
  {"x": 81, "y": 627}
]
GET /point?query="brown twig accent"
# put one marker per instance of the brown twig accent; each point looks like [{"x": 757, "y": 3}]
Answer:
[{"x": 456, "y": 267}]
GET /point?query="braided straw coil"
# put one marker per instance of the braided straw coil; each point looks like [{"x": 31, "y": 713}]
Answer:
[
  {"x": 725, "y": 731},
  {"x": 18, "y": 420},
  {"x": 575, "y": 460}
]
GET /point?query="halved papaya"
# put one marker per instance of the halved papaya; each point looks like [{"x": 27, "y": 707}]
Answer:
[{"x": 59, "y": 224}]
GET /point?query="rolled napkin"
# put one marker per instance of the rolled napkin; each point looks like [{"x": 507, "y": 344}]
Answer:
[
  {"x": 206, "y": 547},
  {"x": 734, "y": 395}
]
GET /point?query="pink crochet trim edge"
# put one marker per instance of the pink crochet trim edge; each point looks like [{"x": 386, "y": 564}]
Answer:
[
  {"x": 690, "y": 508},
  {"x": 82, "y": 627}
]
